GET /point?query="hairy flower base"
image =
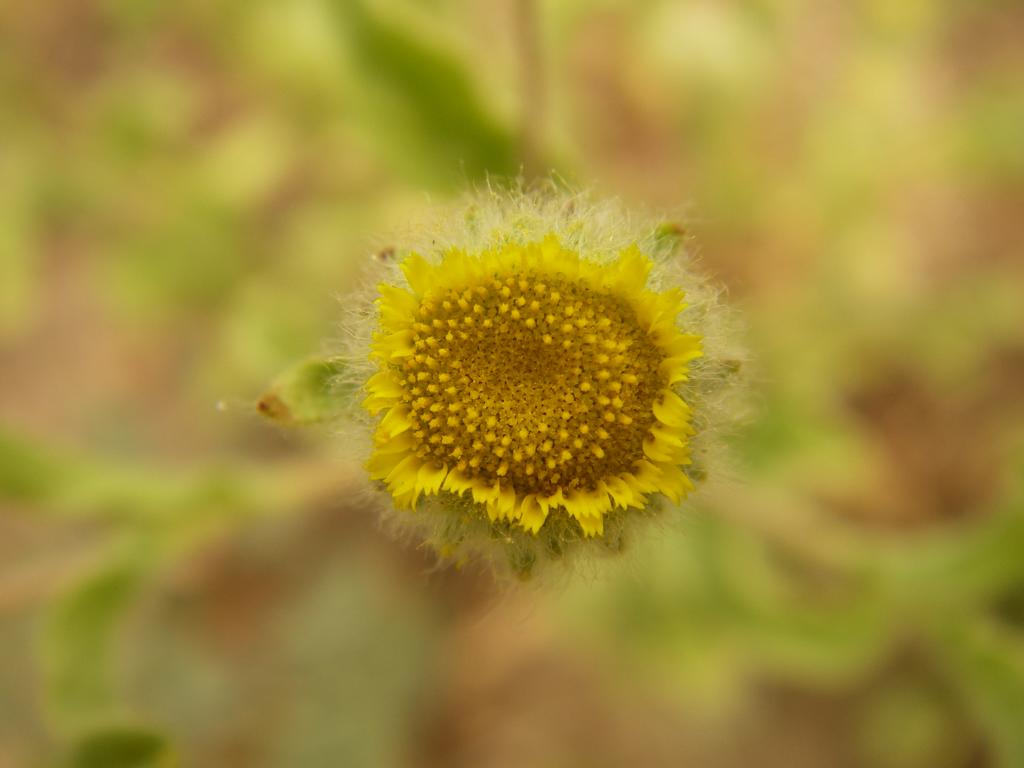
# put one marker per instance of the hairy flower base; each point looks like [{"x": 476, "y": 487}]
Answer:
[{"x": 529, "y": 380}]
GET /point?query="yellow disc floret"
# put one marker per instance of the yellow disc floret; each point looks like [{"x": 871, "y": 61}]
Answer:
[{"x": 533, "y": 380}]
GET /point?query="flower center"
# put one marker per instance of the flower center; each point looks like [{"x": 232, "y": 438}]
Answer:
[{"x": 536, "y": 380}]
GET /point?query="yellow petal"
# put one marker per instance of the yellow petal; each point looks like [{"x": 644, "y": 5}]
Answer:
[
  {"x": 395, "y": 422},
  {"x": 379, "y": 465},
  {"x": 401, "y": 443},
  {"x": 644, "y": 477},
  {"x": 393, "y": 345},
  {"x": 396, "y": 306},
  {"x": 655, "y": 451},
  {"x": 384, "y": 384},
  {"x": 587, "y": 504},
  {"x": 487, "y": 495},
  {"x": 550, "y": 502},
  {"x": 685, "y": 345},
  {"x": 550, "y": 248},
  {"x": 456, "y": 482},
  {"x": 417, "y": 271},
  {"x": 664, "y": 446},
  {"x": 384, "y": 392},
  {"x": 430, "y": 477},
  {"x": 531, "y": 516},
  {"x": 505, "y": 504},
  {"x": 632, "y": 269},
  {"x": 671, "y": 410},
  {"x": 674, "y": 483},
  {"x": 622, "y": 494},
  {"x": 405, "y": 500},
  {"x": 592, "y": 525},
  {"x": 402, "y": 478},
  {"x": 674, "y": 369}
]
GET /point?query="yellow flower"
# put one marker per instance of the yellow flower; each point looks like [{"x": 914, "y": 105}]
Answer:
[{"x": 531, "y": 380}]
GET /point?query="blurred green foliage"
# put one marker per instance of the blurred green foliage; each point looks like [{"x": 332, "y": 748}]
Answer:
[
  {"x": 122, "y": 748},
  {"x": 189, "y": 190},
  {"x": 421, "y": 102}
]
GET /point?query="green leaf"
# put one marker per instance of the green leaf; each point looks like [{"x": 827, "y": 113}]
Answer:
[
  {"x": 421, "y": 97},
  {"x": 121, "y": 746},
  {"x": 65, "y": 483},
  {"x": 309, "y": 393},
  {"x": 987, "y": 659},
  {"x": 355, "y": 684},
  {"x": 29, "y": 473},
  {"x": 78, "y": 648},
  {"x": 952, "y": 571},
  {"x": 911, "y": 723}
]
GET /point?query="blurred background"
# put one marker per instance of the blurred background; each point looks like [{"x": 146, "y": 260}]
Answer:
[{"x": 189, "y": 189}]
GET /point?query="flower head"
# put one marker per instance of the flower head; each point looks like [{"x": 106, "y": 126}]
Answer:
[
  {"x": 531, "y": 378},
  {"x": 538, "y": 377}
]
